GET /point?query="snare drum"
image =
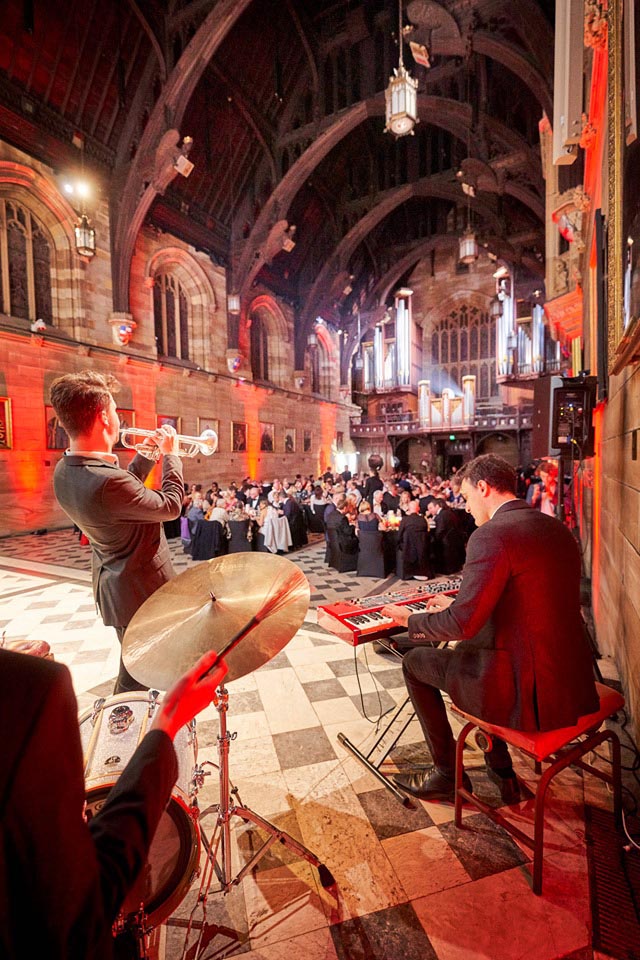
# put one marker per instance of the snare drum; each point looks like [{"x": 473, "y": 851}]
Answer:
[{"x": 110, "y": 733}]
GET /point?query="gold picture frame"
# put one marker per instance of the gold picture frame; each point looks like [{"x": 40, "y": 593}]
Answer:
[
  {"x": 6, "y": 425},
  {"x": 175, "y": 422}
]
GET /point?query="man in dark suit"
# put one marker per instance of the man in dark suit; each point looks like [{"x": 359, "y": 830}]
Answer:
[
  {"x": 342, "y": 538},
  {"x": 413, "y": 545},
  {"x": 373, "y": 483},
  {"x": 119, "y": 515},
  {"x": 522, "y": 659},
  {"x": 448, "y": 537},
  {"x": 62, "y": 881},
  {"x": 391, "y": 498}
]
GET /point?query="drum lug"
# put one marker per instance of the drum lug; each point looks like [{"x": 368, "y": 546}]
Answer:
[
  {"x": 153, "y": 701},
  {"x": 97, "y": 707}
]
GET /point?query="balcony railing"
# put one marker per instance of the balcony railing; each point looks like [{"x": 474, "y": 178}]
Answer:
[{"x": 489, "y": 417}]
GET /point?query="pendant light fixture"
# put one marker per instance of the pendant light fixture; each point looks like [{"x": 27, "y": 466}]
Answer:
[{"x": 401, "y": 96}]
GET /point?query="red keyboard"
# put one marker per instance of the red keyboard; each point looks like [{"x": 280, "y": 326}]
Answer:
[{"x": 358, "y": 621}]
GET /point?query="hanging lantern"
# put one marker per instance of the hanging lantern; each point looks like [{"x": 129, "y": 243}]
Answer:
[
  {"x": 85, "y": 237},
  {"x": 495, "y": 308},
  {"x": 468, "y": 251},
  {"x": 233, "y": 303},
  {"x": 358, "y": 362},
  {"x": 401, "y": 103},
  {"x": 401, "y": 96}
]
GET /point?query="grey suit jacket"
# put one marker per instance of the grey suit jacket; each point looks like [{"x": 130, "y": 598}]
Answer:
[
  {"x": 123, "y": 521},
  {"x": 524, "y": 660}
]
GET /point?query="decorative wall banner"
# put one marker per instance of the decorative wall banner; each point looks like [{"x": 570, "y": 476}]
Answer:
[
  {"x": 238, "y": 437},
  {"x": 57, "y": 438},
  {"x": 306, "y": 442},
  {"x": 6, "y": 432}
]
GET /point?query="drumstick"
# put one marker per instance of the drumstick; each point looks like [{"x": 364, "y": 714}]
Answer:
[{"x": 270, "y": 606}]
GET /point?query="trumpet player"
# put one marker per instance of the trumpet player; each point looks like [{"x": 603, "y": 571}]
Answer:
[{"x": 121, "y": 518}]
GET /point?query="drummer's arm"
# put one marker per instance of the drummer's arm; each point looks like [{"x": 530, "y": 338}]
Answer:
[{"x": 124, "y": 828}]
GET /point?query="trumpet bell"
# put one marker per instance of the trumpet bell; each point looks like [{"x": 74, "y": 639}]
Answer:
[{"x": 208, "y": 442}]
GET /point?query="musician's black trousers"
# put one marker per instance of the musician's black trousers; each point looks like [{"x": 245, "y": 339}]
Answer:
[
  {"x": 425, "y": 671},
  {"x": 125, "y": 682}
]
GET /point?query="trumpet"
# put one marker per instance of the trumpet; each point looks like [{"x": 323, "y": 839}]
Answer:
[{"x": 206, "y": 443}]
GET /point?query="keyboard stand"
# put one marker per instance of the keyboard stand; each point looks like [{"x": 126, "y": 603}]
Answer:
[{"x": 385, "y": 743}]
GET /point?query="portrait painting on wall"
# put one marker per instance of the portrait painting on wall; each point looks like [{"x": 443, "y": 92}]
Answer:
[
  {"x": 208, "y": 423},
  {"x": 290, "y": 440},
  {"x": 57, "y": 438},
  {"x": 6, "y": 437},
  {"x": 127, "y": 419},
  {"x": 171, "y": 421},
  {"x": 238, "y": 437},
  {"x": 267, "y": 433},
  {"x": 306, "y": 442}
]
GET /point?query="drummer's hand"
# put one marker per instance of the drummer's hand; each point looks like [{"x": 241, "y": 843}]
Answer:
[
  {"x": 191, "y": 694},
  {"x": 398, "y": 613},
  {"x": 166, "y": 438},
  {"x": 438, "y": 603}
]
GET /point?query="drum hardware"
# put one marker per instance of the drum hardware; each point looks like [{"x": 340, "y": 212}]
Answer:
[
  {"x": 153, "y": 701},
  {"x": 205, "y": 444},
  {"x": 216, "y": 605},
  {"x": 97, "y": 707}
]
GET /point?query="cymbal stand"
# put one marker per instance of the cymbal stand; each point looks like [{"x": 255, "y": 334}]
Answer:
[{"x": 219, "y": 847}]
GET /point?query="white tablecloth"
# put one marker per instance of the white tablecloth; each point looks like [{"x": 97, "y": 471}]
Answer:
[{"x": 277, "y": 535}]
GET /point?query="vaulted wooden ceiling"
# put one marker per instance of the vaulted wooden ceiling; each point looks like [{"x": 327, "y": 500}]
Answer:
[{"x": 284, "y": 102}]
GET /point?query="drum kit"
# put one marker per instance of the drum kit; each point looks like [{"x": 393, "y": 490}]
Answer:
[{"x": 246, "y": 607}]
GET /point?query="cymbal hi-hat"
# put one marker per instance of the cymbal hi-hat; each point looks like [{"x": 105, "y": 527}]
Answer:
[{"x": 203, "y": 608}]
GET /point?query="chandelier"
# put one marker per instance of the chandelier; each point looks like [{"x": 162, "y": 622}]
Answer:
[{"x": 401, "y": 96}]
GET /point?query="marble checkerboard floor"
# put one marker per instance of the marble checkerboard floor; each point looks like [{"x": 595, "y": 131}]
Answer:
[{"x": 409, "y": 885}]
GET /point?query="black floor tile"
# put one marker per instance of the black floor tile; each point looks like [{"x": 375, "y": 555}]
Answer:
[
  {"x": 389, "y": 818},
  {"x": 299, "y": 748},
  {"x": 323, "y": 690},
  {"x": 391, "y": 934},
  {"x": 482, "y": 847}
]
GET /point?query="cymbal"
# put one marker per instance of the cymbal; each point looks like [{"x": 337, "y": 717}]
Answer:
[{"x": 180, "y": 622}]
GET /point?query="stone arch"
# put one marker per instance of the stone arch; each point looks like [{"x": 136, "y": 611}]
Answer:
[
  {"x": 57, "y": 217},
  {"x": 200, "y": 296},
  {"x": 324, "y": 364},
  {"x": 265, "y": 312},
  {"x": 503, "y": 444}
]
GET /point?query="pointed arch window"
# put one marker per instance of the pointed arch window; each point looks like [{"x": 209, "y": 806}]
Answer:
[
  {"x": 171, "y": 317},
  {"x": 25, "y": 264},
  {"x": 259, "y": 349}
]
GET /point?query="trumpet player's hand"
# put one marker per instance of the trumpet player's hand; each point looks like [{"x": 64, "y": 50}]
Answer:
[{"x": 166, "y": 438}]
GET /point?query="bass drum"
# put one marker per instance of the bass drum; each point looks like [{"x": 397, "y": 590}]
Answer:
[{"x": 110, "y": 733}]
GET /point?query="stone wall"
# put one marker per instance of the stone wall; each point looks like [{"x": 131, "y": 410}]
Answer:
[{"x": 616, "y": 562}]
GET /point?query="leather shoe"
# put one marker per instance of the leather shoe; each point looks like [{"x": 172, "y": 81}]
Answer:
[
  {"x": 507, "y": 783},
  {"x": 433, "y": 785}
]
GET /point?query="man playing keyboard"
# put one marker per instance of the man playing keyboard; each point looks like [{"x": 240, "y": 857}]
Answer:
[{"x": 522, "y": 659}]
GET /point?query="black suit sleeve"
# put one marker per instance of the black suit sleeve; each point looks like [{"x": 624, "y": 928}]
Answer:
[
  {"x": 123, "y": 498},
  {"x": 123, "y": 829}
]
